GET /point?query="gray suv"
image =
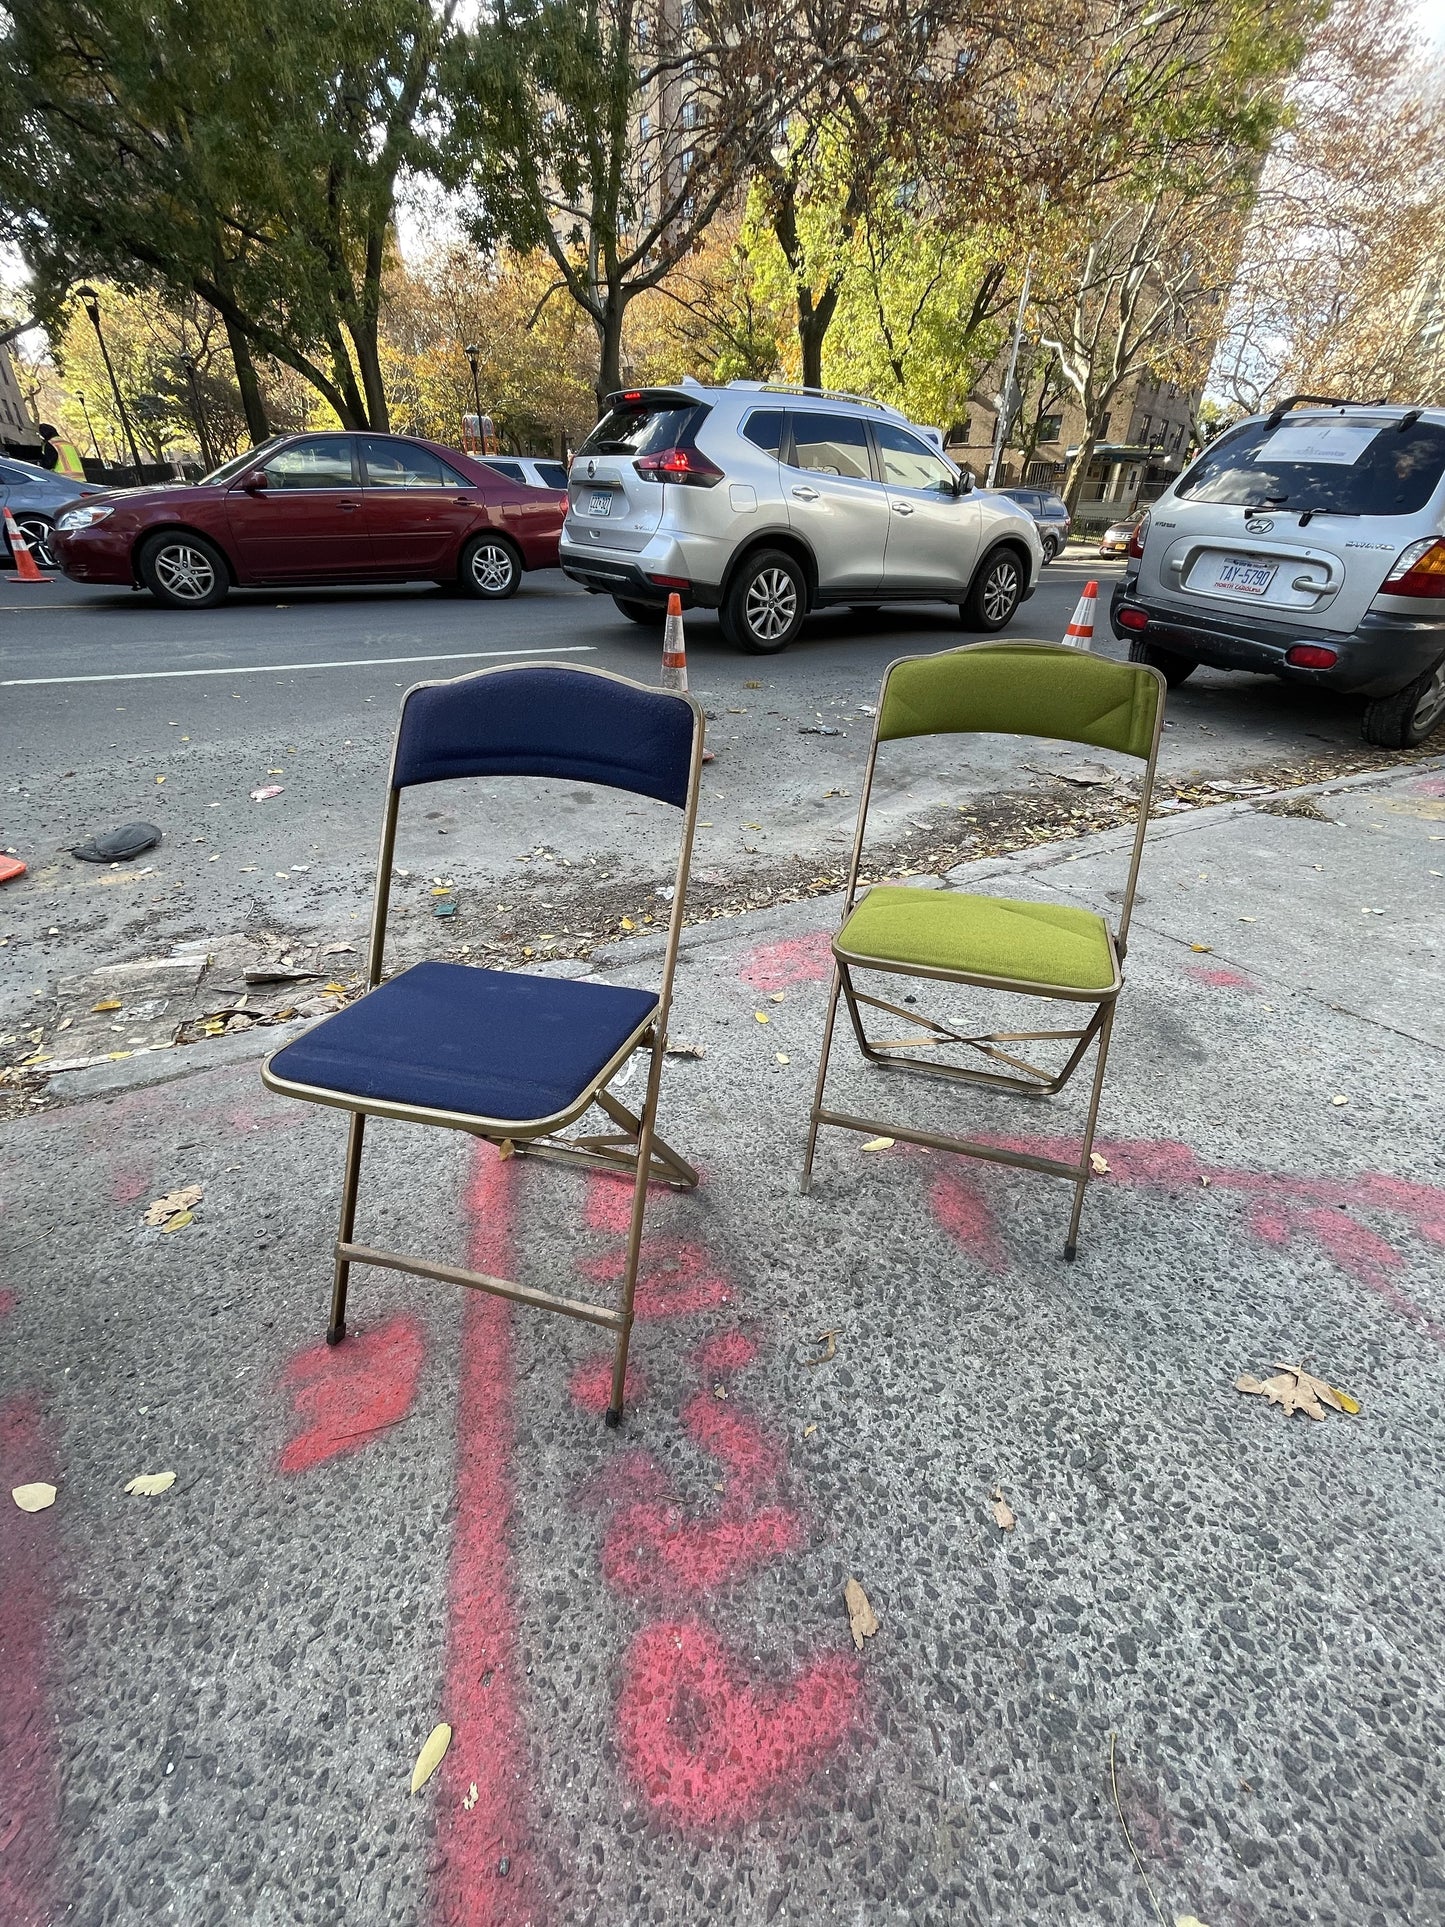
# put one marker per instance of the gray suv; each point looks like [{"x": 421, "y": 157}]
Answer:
[
  {"x": 1307, "y": 544},
  {"x": 35, "y": 496},
  {"x": 765, "y": 503}
]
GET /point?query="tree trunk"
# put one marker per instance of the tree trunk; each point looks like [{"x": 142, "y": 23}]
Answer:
[
  {"x": 609, "y": 350},
  {"x": 1078, "y": 469},
  {"x": 814, "y": 320},
  {"x": 254, "y": 408},
  {"x": 368, "y": 361}
]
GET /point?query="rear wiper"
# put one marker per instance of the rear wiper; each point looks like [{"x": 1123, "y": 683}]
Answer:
[
  {"x": 1307, "y": 514},
  {"x": 609, "y": 448}
]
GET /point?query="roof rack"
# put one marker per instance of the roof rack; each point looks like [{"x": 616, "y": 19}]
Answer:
[
  {"x": 1278, "y": 413},
  {"x": 823, "y": 394}
]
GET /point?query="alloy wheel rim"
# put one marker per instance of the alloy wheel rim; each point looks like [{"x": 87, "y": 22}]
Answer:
[
  {"x": 492, "y": 568},
  {"x": 187, "y": 573},
  {"x": 1431, "y": 706},
  {"x": 771, "y": 605},
  {"x": 1000, "y": 592},
  {"x": 37, "y": 540}
]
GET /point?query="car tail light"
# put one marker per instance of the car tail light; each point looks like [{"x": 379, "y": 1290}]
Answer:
[
  {"x": 1309, "y": 655},
  {"x": 670, "y": 581},
  {"x": 1136, "y": 539},
  {"x": 1135, "y": 619},
  {"x": 687, "y": 465},
  {"x": 1419, "y": 571}
]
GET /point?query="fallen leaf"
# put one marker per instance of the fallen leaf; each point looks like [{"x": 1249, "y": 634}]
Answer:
[
  {"x": 111, "y": 1003},
  {"x": 879, "y": 1144},
  {"x": 149, "y": 1484},
  {"x": 506, "y": 1148},
  {"x": 1098, "y": 1163},
  {"x": 266, "y": 790},
  {"x": 861, "y": 1621},
  {"x": 681, "y": 1049},
  {"x": 1203, "y": 948},
  {"x": 1294, "y": 1389},
  {"x": 335, "y": 949},
  {"x": 829, "y": 1342},
  {"x": 783, "y": 1057},
  {"x": 173, "y": 1204},
  {"x": 628, "y": 924},
  {"x": 752, "y": 685},
  {"x": 33, "y": 1498},
  {"x": 470, "y": 1799},
  {"x": 1339, "y": 1100},
  {"x": 1187, "y": 1920},
  {"x": 1003, "y": 1516},
  {"x": 777, "y": 997},
  {"x": 333, "y": 990},
  {"x": 431, "y": 1756},
  {"x": 809, "y": 1430},
  {"x": 762, "y": 1016},
  {"x": 180, "y": 1220}
]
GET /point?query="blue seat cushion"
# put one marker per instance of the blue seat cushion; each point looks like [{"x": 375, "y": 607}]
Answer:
[{"x": 485, "y": 1043}]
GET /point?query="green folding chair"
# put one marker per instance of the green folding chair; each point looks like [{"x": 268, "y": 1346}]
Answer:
[{"x": 1032, "y": 949}]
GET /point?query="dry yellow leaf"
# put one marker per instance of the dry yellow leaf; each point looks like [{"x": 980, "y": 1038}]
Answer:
[
  {"x": 879, "y": 1144},
  {"x": 762, "y": 1016},
  {"x": 33, "y": 1498},
  {"x": 1294, "y": 1389},
  {"x": 1098, "y": 1163},
  {"x": 431, "y": 1756},
  {"x": 829, "y": 1342},
  {"x": 506, "y": 1148},
  {"x": 111, "y": 1003},
  {"x": 179, "y": 1221},
  {"x": 861, "y": 1622},
  {"x": 809, "y": 1430},
  {"x": 1002, "y": 1513},
  {"x": 777, "y": 997},
  {"x": 1339, "y": 1100},
  {"x": 628, "y": 924},
  {"x": 173, "y": 1204},
  {"x": 150, "y": 1484},
  {"x": 783, "y": 1057},
  {"x": 1203, "y": 948},
  {"x": 333, "y": 990}
]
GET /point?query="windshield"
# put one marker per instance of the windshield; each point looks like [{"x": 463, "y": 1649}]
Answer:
[
  {"x": 639, "y": 428},
  {"x": 1309, "y": 462},
  {"x": 238, "y": 464}
]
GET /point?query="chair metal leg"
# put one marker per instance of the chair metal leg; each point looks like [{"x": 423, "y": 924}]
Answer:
[
  {"x": 645, "y": 1172},
  {"x": 336, "y": 1330},
  {"x": 1071, "y": 1246},
  {"x": 807, "y": 1178}
]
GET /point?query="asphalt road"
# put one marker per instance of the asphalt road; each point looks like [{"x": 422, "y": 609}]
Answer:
[{"x": 114, "y": 709}]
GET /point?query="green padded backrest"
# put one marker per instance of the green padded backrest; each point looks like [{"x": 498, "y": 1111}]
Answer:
[{"x": 1023, "y": 689}]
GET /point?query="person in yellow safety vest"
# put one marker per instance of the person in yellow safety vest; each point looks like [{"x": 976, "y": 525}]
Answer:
[{"x": 58, "y": 454}]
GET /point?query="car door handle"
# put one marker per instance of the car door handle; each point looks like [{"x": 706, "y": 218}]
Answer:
[
  {"x": 806, "y": 494},
  {"x": 348, "y": 508},
  {"x": 902, "y": 508}
]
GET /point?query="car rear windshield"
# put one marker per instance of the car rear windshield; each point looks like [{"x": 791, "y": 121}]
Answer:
[
  {"x": 640, "y": 428},
  {"x": 1334, "y": 463}
]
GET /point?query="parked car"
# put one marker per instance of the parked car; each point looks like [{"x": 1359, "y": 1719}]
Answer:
[
  {"x": 1307, "y": 544},
  {"x": 35, "y": 496},
  {"x": 766, "y": 502},
  {"x": 534, "y": 471},
  {"x": 327, "y": 508},
  {"x": 1116, "y": 538},
  {"x": 1049, "y": 511}
]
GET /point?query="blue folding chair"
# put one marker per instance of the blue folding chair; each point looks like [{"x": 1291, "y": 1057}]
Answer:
[{"x": 506, "y": 1056}]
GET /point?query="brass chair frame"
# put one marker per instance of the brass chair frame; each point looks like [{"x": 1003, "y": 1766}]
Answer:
[
  {"x": 635, "y": 1147},
  {"x": 1022, "y": 1079}
]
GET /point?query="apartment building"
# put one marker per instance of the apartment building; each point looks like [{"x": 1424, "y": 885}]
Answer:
[{"x": 18, "y": 433}]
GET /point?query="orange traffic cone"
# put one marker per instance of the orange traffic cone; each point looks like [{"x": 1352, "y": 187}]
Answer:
[
  {"x": 1080, "y": 632},
  {"x": 25, "y": 569},
  {"x": 674, "y": 647},
  {"x": 10, "y": 868}
]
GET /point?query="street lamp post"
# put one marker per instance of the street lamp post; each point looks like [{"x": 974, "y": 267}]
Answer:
[
  {"x": 90, "y": 300},
  {"x": 473, "y": 355},
  {"x": 89, "y": 426},
  {"x": 192, "y": 372}
]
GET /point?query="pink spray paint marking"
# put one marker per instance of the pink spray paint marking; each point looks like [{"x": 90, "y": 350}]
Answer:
[
  {"x": 482, "y": 1701},
  {"x": 707, "y": 1747},
  {"x": 29, "y": 1585},
  {"x": 591, "y": 1385},
  {"x": 8, "y": 1302},
  {"x": 959, "y": 1207},
  {"x": 674, "y": 1279},
  {"x": 727, "y": 1352},
  {"x": 1220, "y": 977},
  {"x": 349, "y": 1394},
  {"x": 796, "y": 960},
  {"x": 129, "y": 1186}
]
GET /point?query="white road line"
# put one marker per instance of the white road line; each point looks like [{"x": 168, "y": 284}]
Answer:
[{"x": 286, "y": 668}]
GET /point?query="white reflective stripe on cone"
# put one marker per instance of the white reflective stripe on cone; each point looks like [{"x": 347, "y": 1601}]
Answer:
[{"x": 674, "y": 646}]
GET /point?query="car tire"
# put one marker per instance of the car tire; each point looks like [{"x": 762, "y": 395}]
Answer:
[
  {"x": 1050, "y": 546},
  {"x": 184, "y": 571},
  {"x": 995, "y": 594},
  {"x": 765, "y": 603},
  {"x": 651, "y": 615},
  {"x": 490, "y": 568},
  {"x": 1404, "y": 720},
  {"x": 37, "y": 530},
  {"x": 1174, "y": 669}
]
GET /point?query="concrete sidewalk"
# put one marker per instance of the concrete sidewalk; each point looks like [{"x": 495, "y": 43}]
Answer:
[{"x": 211, "y": 1700}]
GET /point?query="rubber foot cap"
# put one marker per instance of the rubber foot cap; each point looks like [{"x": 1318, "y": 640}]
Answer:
[
  {"x": 1071, "y": 1252},
  {"x": 613, "y": 1417},
  {"x": 335, "y": 1334}
]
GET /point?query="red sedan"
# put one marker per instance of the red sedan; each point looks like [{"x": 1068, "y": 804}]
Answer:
[{"x": 313, "y": 509}]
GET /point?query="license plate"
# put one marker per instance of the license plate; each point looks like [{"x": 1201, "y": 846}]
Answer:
[
  {"x": 1246, "y": 578},
  {"x": 601, "y": 502}
]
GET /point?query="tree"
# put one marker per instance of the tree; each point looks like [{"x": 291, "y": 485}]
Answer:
[
  {"x": 611, "y": 136},
  {"x": 247, "y": 153}
]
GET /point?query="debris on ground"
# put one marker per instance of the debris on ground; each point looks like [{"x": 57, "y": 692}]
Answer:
[
  {"x": 174, "y": 1210},
  {"x": 1003, "y": 1513},
  {"x": 10, "y": 868},
  {"x": 681, "y": 1049},
  {"x": 266, "y": 791},
  {"x": 118, "y": 846},
  {"x": 861, "y": 1621},
  {"x": 1098, "y": 1163},
  {"x": 33, "y": 1498},
  {"x": 149, "y": 1485},
  {"x": 1295, "y": 1390},
  {"x": 819, "y": 729},
  {"x": 431, "y": 1756},
  {"x": 879, "y": 1144},
  {"x": 829, "y": 1342}
]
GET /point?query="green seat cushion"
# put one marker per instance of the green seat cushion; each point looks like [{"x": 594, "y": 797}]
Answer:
[{"x": 1041, "y": 943}]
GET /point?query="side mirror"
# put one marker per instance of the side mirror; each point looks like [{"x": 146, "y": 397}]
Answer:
[
  {"x": 962, "y": 482},
  {"x": 254, "y": 481}
]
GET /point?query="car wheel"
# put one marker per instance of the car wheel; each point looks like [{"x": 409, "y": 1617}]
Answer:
[
  {"x": 1174, "y": 669},
  {"x": 765, "y": 604},
  {"x": 36, "y": 531},
  {"x": 996, "y": 593},
  {"x": 1050, "y": 544},
  {"x": 184, "y": 571},
  {"x": 1404, "y": 720},
  {"x": 651, "y": 615},
  {"x": 491, "y": 568}
]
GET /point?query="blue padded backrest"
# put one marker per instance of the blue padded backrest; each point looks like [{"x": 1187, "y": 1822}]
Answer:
[{"x": 552, "y": 721}]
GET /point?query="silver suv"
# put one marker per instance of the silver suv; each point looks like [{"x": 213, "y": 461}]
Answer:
[
  {"x": 766, "y": 502},
  {"x": 1308, "y": 544}
]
